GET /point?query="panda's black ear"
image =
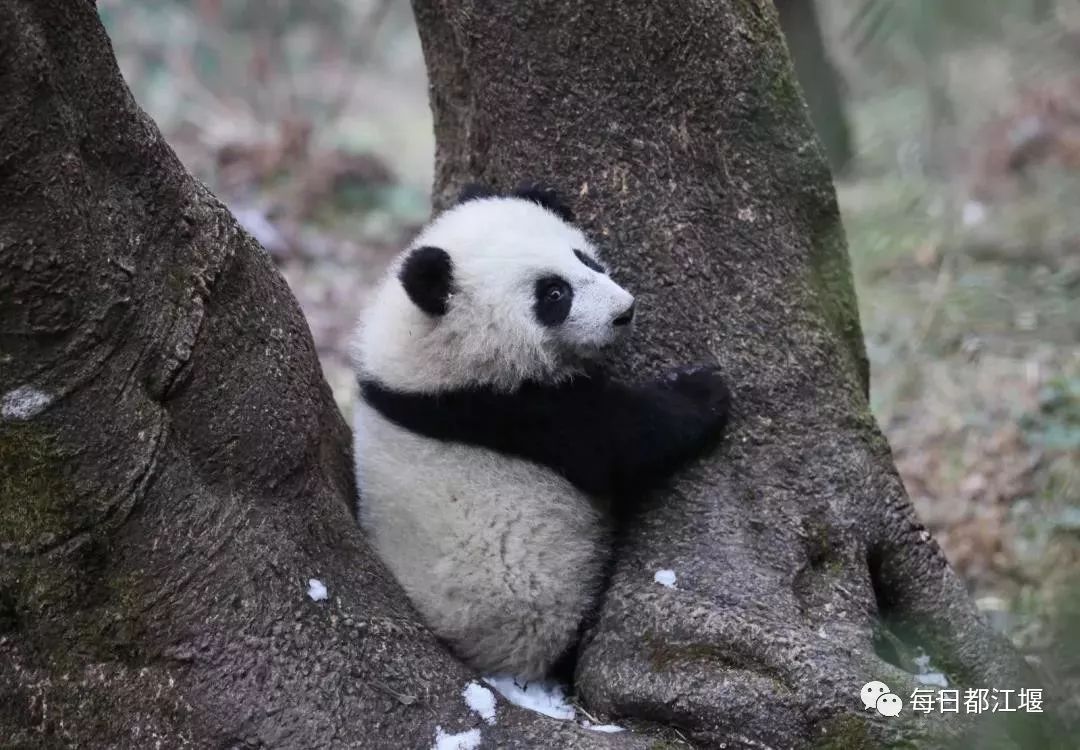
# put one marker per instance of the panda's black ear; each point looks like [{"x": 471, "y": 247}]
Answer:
[
  {"x": 428, "y": 276},
  {"x": 546, "y": 197},
  {"x": 475, "y": 191}
]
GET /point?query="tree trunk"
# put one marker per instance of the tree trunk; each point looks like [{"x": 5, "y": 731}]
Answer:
[
  {"x": 173, "y": 469},
  {"x": 802, "y": 571},
  {"x": 819, "y": 80}
]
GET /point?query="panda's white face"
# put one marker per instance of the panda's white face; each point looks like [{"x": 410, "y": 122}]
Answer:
[{"x": 494, "y": 291}]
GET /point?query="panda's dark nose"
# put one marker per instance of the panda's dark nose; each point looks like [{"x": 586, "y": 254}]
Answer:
[{"x": 626, "y": 317}]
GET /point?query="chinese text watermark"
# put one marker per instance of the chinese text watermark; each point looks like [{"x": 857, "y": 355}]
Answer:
[{"x": 876, "y": 695}]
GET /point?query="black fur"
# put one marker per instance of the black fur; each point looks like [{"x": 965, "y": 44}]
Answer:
[
  {"x": 475, "y": 191},
  {"x": 546, "y": 197},
  {"x": 589, "y": 262},
  {"x": 428, "y": 277},
  {"x": 609, "y": 439},
  {"x": 539, "y": 194}
]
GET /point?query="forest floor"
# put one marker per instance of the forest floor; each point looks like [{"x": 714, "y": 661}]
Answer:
[
  {"x": 974, "y": 343},
  {"x": 971, "y": 315}
]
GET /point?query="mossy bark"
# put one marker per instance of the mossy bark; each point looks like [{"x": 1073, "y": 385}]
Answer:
[
  {"x": 172, "y": 463},
  {"x": 681, "y": 135}
]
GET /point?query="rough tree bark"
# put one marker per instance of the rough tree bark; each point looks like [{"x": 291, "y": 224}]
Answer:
[
  {"x": 802, "y": 569},
  {"x": 173, "y": 469},
  {"x": 818, "y": 77},
  {"x": 172, "y": 465}
]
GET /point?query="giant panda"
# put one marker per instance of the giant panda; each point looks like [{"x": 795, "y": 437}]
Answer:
[{"x": 493, "y": 455}]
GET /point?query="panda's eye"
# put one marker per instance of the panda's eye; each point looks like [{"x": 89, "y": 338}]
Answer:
[{"x": 554, "y": 297}]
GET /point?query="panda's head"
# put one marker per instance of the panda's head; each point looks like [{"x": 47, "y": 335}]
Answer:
[{"x": 497, "y": 290}]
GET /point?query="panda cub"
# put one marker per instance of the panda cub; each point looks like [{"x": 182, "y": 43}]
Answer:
[{"x": 493, "y": 457}]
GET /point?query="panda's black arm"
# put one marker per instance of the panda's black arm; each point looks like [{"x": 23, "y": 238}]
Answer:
[{"x": 607, "y": 438}]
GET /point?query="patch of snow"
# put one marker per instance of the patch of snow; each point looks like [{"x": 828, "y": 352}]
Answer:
[
  {"x": 927, "y": 674},
  {"x": 316, "y": 589},
  {"x": 665, "y": 578},
  {"x": 603, "y": 727},
  {"x": 469, "y": 740},
  {"x": 936, "y": 679},
  {"x": 481, "y": 700},
  {"x": 543, "y": 696},
  {"x": 24, "y": 402}
]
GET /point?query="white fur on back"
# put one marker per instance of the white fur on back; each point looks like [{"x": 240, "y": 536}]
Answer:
[
  {"x": 498, "y": 247},
  {"x": 501, "y": 557}
]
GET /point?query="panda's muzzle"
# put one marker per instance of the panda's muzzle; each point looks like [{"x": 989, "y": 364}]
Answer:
[{"x": 625, "y": 317}]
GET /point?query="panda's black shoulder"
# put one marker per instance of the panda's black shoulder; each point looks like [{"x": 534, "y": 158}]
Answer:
[
  {"x": 539, "y": 193},
  {"x": 546, "y": 196}
]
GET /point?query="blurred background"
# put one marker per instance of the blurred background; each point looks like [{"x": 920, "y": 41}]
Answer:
[{"x": 953, "y": 128}]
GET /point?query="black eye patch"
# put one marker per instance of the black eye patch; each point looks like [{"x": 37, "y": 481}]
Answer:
[
  {"x": 553, "y": 299},
  {"x": 589, "y": 262}
]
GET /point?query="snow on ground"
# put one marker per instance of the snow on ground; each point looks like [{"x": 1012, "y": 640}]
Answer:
[
  {"x": 603, "y": 727},
  {"x": 665, "y": 578},
  {"x": 481, "y": 700},
  {"x": 927, "y": 674},
  {"x": 469, "y": 740},
  {"x": 23, "y": 402},
  {"x": 316, "y": 590},
  {"x": 543, "y": 696}
]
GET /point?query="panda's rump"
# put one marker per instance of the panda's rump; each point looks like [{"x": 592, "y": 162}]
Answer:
[{"x": 501, "y": 557}]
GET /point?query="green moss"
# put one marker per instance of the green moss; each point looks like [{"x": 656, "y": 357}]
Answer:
[
  {"x": 817, "y": 535},
  {"x": 28, "y": 592},
  {"x": 845, "y": 732},
  {"x": 662, "y": 655},
  {"x": 124, "y": 591},
  {"x": 178, "y": 282},
  {"x": 75, "y": 613},
  {"x": 40, "y": 586},
  {"x": 834, "y": 285},
  {"x": 36, "y": 500},
  {"x": 73, "y": 608},
  {"x": 104, "y": 608},
  {"x": 786, "y": 95},
  {"x": 759, "y": 19},
  {"x": 822, "y": 546}
]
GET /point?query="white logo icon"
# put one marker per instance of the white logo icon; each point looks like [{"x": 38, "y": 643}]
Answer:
[{"x": 876, "y": 695}]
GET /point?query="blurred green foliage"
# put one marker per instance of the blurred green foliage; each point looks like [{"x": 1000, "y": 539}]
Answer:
[
  {"x": 932, "y": 25},
  {"x": 1057, "y": 424}
]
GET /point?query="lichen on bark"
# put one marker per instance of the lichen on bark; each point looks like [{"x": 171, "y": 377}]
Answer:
[{"x": 37, "y": 503}]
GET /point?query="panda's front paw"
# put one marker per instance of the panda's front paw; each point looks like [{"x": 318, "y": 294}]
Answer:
[{"x": 704, "y": 385}]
